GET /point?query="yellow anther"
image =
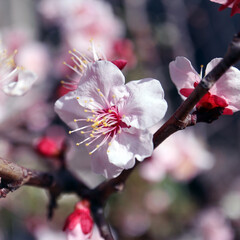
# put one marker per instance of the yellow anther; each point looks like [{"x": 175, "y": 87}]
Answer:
[
  {"x": 108, "y": 151},
  {"x": 96, "y": 124},
  {"x": 64, "y": 63},
  {"x": 85, "y": 101},
  {"x": 88, "y": 120},
  {"x": 109, "y": 143},
  {"x": 93, "y": 115},
  {"x": 74, "y": 120},
  {"x": 70, "y": 51},
  {"x": 77, "y": 144},
  {"x": 91, "y": 135},
  {"x": 98, "y": 90},
  {"x": 69, "y": 132},
  {"x": 119, "y": 131},
  {"x": 109, "y": 111},
  {"x": 85, "y": 110},
  {"x": 90, "y": 153},
  {"x": 74, "y": 50},
  {"x": 113, "y": 96},
  {"x": 87, "y": 144},
  {"x": 77, "y": 97},
  {"x": 97, "y": 146},
  {"x": 123, "y": 116},
  {"x": 82, "y": 132}
]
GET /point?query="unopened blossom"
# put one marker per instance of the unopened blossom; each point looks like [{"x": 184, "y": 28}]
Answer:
[
  {"x": 182, "y": 156},
  {"x": 52, "y": 143},
  {"x": 225, "y": 93},
  {"x": 14, "y": 80},
  {"x": 79, "y": 225},
  {"x": 113, "y": 118},
  {"x": 234, "y": 4}
]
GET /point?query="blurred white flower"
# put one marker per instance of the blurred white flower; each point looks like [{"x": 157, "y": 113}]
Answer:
[
  {"x": 182, "y": 156},
  {"x": 14, "y": 80}
]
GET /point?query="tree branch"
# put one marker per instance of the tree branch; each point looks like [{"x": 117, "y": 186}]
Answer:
[{"x": 182, "y": 117}]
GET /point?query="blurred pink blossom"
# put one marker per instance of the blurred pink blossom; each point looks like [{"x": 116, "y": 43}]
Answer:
[
  {"x": 225, "y": 93},
  {"x": 212, "y": 225},
  {"x": 81, "y": 21},
  {"x": 112, "y": 117},
  {"x": 182, "y": 156},
  {"x": 34, "y": 56},
  {"x": 234, "y": 4},
  {"x": 84, "y": 20},
  {"x": 124, "y": 49}
]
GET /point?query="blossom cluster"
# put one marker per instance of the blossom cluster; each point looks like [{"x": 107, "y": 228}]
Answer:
[{"x": 111, "y": 121}]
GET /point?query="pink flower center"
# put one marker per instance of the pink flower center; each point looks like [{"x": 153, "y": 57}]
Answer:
[{"x": 103, "y": 124}]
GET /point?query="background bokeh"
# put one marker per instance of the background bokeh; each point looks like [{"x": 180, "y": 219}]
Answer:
[{"x": 202, "y": 205}]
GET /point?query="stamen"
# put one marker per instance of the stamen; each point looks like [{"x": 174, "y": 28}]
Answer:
[
  {"x": 104, "y": 124},
  {"x": 201, "y": 72}
]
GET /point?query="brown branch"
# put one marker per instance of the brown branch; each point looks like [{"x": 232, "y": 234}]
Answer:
[
  {"x": 61, "y": 181},
  {"x": 182, "y": 117}
]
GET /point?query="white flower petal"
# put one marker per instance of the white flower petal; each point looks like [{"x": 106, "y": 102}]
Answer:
[
  {"x": 100, "y": 164},
  {"x": 182, "y": 73},
  {"x": 145, "y": 105},
  {"x": 98, "y": 80},
  {"x": 129, "y": 145},
  {"x": 25, "y": 81},
  {"x": 68, "y": 109}
]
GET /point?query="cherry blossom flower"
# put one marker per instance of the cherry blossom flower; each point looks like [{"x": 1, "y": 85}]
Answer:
[
  {"x": 234, "y": 4},
  {"x": 225, "y": 93},
  {"x": 182, "y": 156},
  {"x": 14, "y": 80},
  {"x": 79, "y": 225},
  {"x": 113, "y": 118}
]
